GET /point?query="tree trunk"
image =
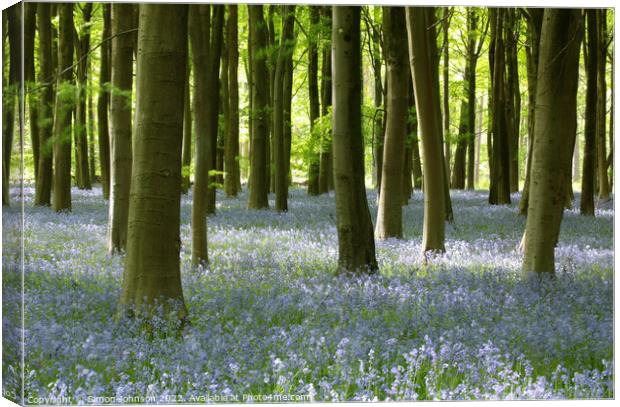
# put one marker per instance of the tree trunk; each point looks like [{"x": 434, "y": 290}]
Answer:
[
  {"x": 313, "y": 97},
  {"x": 445, "y": 25},
  {"x": 500, "y": 172},
  {"x": 199, "y": 27},
  {"x": 62, "y": 112},
  {"x": 389, "y": 212},
  {"x": 535, "y": 21},
  {"x": 556, "y": 123},
  {"x": 186, "y": 155},
  {"x": 82, "y": 44},
  {"x": 326, "y": 169},
  {"x": 472, "y": 61},
  {"x": 586, "y": 206},
  {"x": 601, "y": 107},
  {"x": 411, "y": 139},
  {"x": 378, "y": 124},
  {"x": 152, "y": 269},
  {"x": 421, "y": 55},
  {"x": 30, "y": 10},
  {"x": 43, "y": 186},
  {"x": 513, "y": 98},
  {"x": 288, "y": 123},
  {"x": 103, "y": 100},
  {"x": 279, "y": 145},
  {"x": 11, "y": 93},
  {"x": 222, "y": 131},
  {"x": 92, "y": 168},
  {"x": 458, "y": 169},
  {"x": 212, "y": 102},
  {"x": 356, "y": 244},
  {"x": 259, "y": 185},
  {"x": 120, "y": 123},
  {"x": 232, "y": 181}
]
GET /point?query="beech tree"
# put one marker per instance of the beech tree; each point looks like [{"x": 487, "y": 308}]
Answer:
[
  {"x": 326, "y": 168},
  {"x": 152, "y": 269},
  {"x": 82, "y": 46},
  {"x": 556, "y": 122},
  {"x": 280, "y": 143},
  {"x": 103, "y": 101},
  {"x": 313, "y": 98},
  {"x": 356, "y": 244},
  {"x": 43, "y": 185},
  {"x": 499, "y": 190},
  {"x": 231, "y": 159},
  {"x": 206, "y": 58},
  {"x": 62, "y": 112},
  {"x": 10, "y": 94},
  {"x": 120, "y": 124},
  {"x": 586, "y": 205},
  {"x": 259, "y": 183},
  {"x": 421, "y": 38},
  {"x": 389, "y": 215},
  {"x": 534, "y": 18}
]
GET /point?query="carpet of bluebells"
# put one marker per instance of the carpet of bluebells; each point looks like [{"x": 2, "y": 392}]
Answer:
[{"x": 270, "y": 316}]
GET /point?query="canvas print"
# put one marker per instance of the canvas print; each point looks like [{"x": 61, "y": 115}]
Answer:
[{"x": 293, "y": 203}]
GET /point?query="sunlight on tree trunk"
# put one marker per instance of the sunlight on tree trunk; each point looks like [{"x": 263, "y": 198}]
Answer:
[{"x": 152, "y": 269}]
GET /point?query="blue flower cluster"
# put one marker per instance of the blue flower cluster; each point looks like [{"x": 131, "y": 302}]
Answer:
[{"x": 269, "y": 316}]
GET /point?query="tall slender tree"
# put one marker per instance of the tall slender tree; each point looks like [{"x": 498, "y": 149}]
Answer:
[
  {"x": 259, "y": 185},
  {"x": 11, "y": 94},
  {"x": 103, "y": 102},
  {"x": 212, "y": 101},
  {"x": 62, "y": 111},
  {"x": 534, "y": 18},
  {"x": 421, "y": 37},
  {"x": 30, "y": 10},
  {"x": 586, "y": 205},
  {"x": 152, "y": 267},
  {"x": 232, "y": 180},
  {"x": 326, "y": 168},
  {"x": 82, "y": 45},
  {"x": 206, "y": 59},
  {"x": 280, "y": 143},
  {"x": 356, "y": 244},
  {"x": 43, "y": 186},
  {"x": 186, "y": 155},
  {"x": 500, "y": 172},
  {"x": 601, "y": 107},
  {"x": 313, "y": 99},
  {"x": 556, "y": 122},
  {"x": 445, "y": 28},
  {"x": 389, "y": 215},
  {"x": 120, "y": 123}
]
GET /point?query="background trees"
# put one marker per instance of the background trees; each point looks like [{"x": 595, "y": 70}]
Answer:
[{"x": 259, "y": 99}]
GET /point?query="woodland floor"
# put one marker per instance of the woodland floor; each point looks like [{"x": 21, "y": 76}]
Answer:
[{"x": 269, "y": 316}]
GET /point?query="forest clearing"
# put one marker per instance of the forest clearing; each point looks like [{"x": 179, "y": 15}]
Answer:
[{"x": 292, "y": 203}]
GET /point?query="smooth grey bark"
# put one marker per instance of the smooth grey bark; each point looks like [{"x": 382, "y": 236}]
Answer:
[
  {"x": 120, "y": 125},
  {"x": 389, "y": 212},
  {"x": 152, "y": 268},
  {"x": 421, "y": 57},
  {"x": 103, "y": 102},
  {"x": 43, "y": 186},
  {"x": 356, "y": 244},
  {"x": 61, "y": 199},
  {"x": 259, "y": 183},
  {"x": 556, "y": 123}
]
